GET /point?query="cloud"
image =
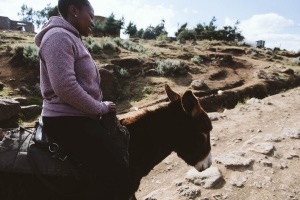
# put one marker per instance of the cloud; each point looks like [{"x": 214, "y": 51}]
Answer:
[{"x": 275, "y": 29}]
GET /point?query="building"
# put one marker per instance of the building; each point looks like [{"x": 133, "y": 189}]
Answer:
[
  {"x": 6, "y": 23},
  {"x": 260, "y": 44}
]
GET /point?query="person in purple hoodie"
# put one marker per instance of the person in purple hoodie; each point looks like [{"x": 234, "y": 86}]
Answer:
[{"x": 72, "y": 100}]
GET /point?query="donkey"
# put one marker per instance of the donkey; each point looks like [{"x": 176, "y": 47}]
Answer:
[{"x": 180, "y": 126}]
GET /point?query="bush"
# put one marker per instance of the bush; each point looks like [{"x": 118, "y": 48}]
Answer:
[
  {"x": 297, "y": 61},
  {"x": 187, "y": 34},
  {"x": 128, "y": 45},
  {"x": 197, "y": 60},
  {"x": 170, "y": 67},
  {"x": 121, "y": 72},
  {"x": 28, "y": 54},
  {"x": 31, "y": 55},
  {"x": 95, "y": 48}
]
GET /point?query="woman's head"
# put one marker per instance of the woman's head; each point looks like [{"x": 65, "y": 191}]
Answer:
[{"x": 79, "y": 13}]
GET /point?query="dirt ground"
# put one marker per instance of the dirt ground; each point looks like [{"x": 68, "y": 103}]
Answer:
[{"x": 266, "y": 131}]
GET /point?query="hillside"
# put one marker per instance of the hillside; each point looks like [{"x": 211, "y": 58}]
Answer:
[
  {"x": 250, "y": 94},
  {"x": 204, "y": 67}
]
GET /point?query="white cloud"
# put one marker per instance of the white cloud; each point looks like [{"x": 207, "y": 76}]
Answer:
[{"x": 272, "y": 28}]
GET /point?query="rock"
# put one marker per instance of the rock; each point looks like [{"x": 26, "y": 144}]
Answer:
[
  {"x": 213, "y": 117},
  {"x": 272, "y": 138},
  {"x": 263, "y": 148},
  {"x": 291, "y": 155},
  {"x": 157, "y": 194},
  {"x": 24, "y": 90},
  {"x": 233, "y": 160},
  {"x": 292, "y": 133},
  {"x": 9, "y": 108},
  {"x": 209, "y": 178},
  {"x": 31, "y": 111},
  {"x": 198, "y": 84},
  {"x": 1, "y": 86},
  {"x": 238, "y": 181},
  {"x": 109, "y": 85},
  {"x": 254, "y": 101},
  {"x": 265, "y": 163},
  {"x": 21, "y": 100},
  {"x": 191, "y": 192}
]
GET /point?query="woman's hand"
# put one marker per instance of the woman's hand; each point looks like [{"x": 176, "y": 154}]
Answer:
[{"x": 112, "y": 107}]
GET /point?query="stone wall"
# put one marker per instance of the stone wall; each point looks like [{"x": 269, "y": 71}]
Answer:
[{"x": 6, "y": 23}]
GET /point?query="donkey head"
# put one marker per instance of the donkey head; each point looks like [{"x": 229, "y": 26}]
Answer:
[{"x": 192, "y": 128}]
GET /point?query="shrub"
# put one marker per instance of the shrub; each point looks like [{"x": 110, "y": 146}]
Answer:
[
  {"x": 121, "y": 72},
  {"x": 187, "y": 34},
  {"x": 18, "y": 52},
  {"x": 28, "y": 54},
  {"x": 31, "y": 55},
  {"x": 162, "y": 37},
  {"x": 297, "y": 61},
  {"x": 95, "y": 48},
  {"x": 9, "y": 48},
  {"x": 197, "y": 60},
  {"x": 170, "y": 67},
  {"x": 128, "y": 45}
]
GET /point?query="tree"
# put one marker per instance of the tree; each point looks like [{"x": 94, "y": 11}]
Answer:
[
  {"x": 52, "y": 12},
  {"x": 140, "y": 33},
  {"x": 37, "y": 17},
  {"x": 111, "y": 26},
  {"x": 131, "y": 30},
  {"x": 160, "y": 29},
  {"x": 27, "y": 14},
  {"x": 187, "y": 34},
  {"x": 149, "y": 33},
  {"x": 182, "y": 27}
]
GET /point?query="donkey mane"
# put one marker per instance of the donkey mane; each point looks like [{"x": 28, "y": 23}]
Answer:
[{"x": 139, "y": 115}]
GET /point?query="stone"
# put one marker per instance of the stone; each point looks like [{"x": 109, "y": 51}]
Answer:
[
  {"x": 265, "y": 148},
  {"x": 198, "y": 84},
  {"x": 1, "y": 86},
  {"x": 233, "y": 160},
  {"x": 21, "y": 100},
  {"x": 209, "y": 178},
  {"x": 9, "y": 108},
  {"x": 109, "y": 85},
  {"x": 292, "y": 133},
  {"x": 31, "y": 111}
]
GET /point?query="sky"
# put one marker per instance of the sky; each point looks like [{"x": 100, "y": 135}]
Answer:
[{"x": 275, "y": 21}]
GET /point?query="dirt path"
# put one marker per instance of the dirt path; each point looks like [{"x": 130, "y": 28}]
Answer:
[{"x": 256, "y": 150}]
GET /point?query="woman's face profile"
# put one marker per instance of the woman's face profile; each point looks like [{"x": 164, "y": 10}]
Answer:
[{"x": 84, "y": 21}]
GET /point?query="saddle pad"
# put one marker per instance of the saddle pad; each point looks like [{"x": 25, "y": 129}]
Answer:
[{"x": 19, "y": 154}]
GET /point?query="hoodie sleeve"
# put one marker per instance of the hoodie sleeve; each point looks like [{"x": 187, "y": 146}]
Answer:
[{"x": 59, "y": 53}]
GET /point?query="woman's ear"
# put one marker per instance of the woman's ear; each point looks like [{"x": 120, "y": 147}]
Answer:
[{"x": 73, "y": 11}]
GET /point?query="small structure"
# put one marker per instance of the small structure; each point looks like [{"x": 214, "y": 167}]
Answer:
[
  {"x": 260, "y": 44},
  {"x": 6, "y": 23}
]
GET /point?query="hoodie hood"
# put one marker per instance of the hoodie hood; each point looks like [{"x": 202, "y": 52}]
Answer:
[{"x": 54, "y": 22}]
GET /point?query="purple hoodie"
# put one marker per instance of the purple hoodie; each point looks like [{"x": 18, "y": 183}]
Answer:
[{"x": 70, "y": 80}]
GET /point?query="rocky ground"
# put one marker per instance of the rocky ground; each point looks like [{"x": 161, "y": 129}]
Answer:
[{"x": 255, "y": 149}]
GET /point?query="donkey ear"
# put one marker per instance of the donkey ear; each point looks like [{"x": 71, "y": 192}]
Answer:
[
  {"x": 191, "y": 104},
  {"x": 173, "y": 96}
]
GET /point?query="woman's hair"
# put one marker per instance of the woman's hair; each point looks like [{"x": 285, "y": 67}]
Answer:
[{"x": 63, "y": 5}]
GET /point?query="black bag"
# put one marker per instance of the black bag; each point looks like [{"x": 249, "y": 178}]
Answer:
[{"x": 119, "y": 133}]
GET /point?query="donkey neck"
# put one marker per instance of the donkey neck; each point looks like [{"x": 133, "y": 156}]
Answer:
[{"x": 151, "y": 138}]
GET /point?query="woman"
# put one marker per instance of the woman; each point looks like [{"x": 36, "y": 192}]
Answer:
[{"x": 72, "y": 99}]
